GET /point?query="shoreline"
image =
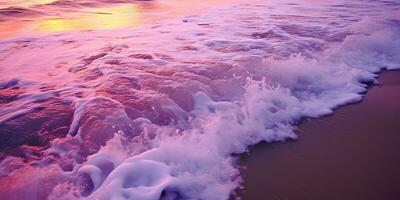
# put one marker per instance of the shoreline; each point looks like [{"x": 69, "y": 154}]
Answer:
[{"x": 349, "y": 155}]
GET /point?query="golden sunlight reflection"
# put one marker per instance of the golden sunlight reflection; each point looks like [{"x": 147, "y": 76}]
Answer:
[{"x": 98, "y": 18}]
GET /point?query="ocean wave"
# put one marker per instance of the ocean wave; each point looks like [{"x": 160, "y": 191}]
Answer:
[{"x": 162, "y": 112}]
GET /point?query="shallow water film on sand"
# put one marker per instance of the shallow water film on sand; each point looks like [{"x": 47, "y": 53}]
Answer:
[{"x": 152, "y": 100}]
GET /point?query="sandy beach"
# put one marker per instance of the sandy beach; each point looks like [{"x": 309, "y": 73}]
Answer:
[{"x": 350, "y": 155}]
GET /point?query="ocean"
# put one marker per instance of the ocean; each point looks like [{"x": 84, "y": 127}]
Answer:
[{"x": 157, "y": 99}]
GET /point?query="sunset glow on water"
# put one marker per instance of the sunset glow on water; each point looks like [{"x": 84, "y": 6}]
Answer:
[
  {"x": 148, "y": 100},
  {"x": 48, "y": 16},
  {"x": 24, "y": 3}
]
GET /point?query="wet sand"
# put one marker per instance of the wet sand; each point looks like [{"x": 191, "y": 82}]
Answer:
[{"x": 353, "y": 154}]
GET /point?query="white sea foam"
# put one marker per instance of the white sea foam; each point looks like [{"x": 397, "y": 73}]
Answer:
[{"x": 196, "y": 164}]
